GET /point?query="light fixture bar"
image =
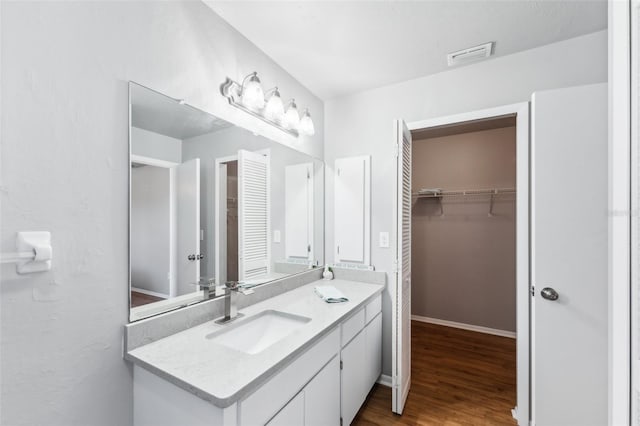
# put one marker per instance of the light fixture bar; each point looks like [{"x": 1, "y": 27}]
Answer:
[{"x": 231, "y": 90}]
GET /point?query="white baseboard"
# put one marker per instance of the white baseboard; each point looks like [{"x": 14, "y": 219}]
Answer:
[
  {"x": 470, "y": 327},
  {"x": 385, "y": 380},
  {"x": 149, "y": 292}
]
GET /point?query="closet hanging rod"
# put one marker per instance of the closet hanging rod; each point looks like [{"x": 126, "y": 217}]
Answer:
[{"x": 464, "y": 192}]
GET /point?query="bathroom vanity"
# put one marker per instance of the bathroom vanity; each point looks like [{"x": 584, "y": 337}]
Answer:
[
  {"x": 292, "y": 359},
  {"x": 216, "y": 207}
]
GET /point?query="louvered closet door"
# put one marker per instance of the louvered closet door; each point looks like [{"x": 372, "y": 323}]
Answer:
[
  {"x": 402, "y": 314},
  {"x": 254, "y": 251}
]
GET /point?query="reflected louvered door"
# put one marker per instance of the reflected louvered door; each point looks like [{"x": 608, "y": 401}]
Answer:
[
  {"x": 254, "y": 254},
  {"x": 402, "y": 314}
]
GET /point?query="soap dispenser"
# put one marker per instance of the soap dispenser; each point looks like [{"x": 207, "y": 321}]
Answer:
[{"x": 328, "y": 273}]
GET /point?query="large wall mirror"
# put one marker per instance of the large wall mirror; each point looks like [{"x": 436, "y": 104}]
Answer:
[{"x": 211, "y": 202}]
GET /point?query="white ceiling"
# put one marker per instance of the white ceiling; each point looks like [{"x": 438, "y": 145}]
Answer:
[
  {"x": 153, "y": 111},
  {"x": 340, "y": 47}
]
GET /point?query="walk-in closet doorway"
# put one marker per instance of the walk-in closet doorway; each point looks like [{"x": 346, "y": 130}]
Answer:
[{"x": 468, "y": 274}]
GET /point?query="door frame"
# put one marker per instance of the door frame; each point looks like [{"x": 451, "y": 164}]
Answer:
[
  {"x": 216, "y": 215},
  {"x": 623, "y": 217},
  {"x": 521, "y": 110},
  {"x": 173, "y": 215},
  {"x": 216, "y": 198}
]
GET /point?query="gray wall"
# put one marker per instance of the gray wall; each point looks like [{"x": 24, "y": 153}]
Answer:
[
  {"x": 150, "y": 229},
  {"x": 463, "y": 260},
  {"x": 363, "y": 123},
  {"x": 64, "y": 72}
]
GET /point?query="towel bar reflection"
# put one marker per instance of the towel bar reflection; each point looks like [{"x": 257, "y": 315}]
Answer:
[{"x": 34, "y": 252}]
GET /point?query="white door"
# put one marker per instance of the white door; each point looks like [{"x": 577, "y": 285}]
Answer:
[
  {"x": 254, "y": 242},
  {"x": 569, "y": 256},
  {"x": 298, "y": 212},
  {"x": 401, "y": 316},
  {"x": 188, "y": 228}
]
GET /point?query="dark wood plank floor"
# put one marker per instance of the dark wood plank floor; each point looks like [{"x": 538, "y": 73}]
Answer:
[
  {"x": 139, "y": 299},
  {"x": 458, "y": 377}
]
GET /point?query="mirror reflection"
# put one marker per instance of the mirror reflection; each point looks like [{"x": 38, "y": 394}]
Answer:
[{"x": 212, "y": 202}]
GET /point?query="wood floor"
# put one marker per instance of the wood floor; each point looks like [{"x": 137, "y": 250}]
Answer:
[
  {"x": 139, "y": 299},
  {"x": 458, "y": 377}
]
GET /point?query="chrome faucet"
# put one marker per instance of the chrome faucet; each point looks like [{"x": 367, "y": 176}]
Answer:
[{"x": 230, "y": 302}]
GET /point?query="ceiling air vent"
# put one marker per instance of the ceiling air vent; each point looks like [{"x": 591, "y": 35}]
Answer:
[{"x": 470, "y": 54}]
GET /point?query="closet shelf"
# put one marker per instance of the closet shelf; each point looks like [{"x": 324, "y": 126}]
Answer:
[
  {"x": 464, "y": 193},
  {"x": 439, "y": 194}
]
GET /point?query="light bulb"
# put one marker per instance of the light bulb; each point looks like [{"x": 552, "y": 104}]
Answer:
[
  {"x": 252, "y": 93},
  {"x": 291, "y": 117},
  {"x": 306, "y": 124},
  {"x": 274, "y": 110}
]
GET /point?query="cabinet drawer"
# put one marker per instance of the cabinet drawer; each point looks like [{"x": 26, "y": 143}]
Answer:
[
  {"x": 352, "y": 326},
  {"x": 372, "y": 309}
]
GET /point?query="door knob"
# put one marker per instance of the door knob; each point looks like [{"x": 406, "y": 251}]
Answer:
[
  {"x": 191, "y": 257},
  {"x": 200, "y": 256},
  {"x": 549, "y": 293}
]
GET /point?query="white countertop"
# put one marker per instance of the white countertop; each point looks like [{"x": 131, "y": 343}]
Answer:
[{"x": 222, "y": 375}]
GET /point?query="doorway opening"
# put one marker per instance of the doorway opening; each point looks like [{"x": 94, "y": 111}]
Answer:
[
  {"x": 463, "y": 256},
  {"x": 461, "y": 205}
]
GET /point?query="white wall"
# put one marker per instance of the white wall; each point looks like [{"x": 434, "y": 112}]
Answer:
[
  {"x": 150, "y": 229},
  {"x": 65, "y": 67},
  {"x": 363, "y": 123},
  {"x": 155, "y": 145}
]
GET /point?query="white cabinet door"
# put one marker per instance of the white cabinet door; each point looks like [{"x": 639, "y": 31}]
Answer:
[
  {"x": 353, "y": 377},
  {"x": 322, "y": 397},
  {"x": 569, "y": 248},
  {"x": 292, "y": 413},
  {"x": 298, "y": 211},
  {"x": 352, "y": 209},
  {"x": 373, "y": 347}
]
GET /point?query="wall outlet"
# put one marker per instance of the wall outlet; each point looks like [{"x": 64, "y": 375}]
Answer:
[
  {"x": 276, "y": 236},
  {"x": 384, "y": 240}
]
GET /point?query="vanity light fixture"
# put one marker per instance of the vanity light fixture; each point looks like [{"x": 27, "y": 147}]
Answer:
[
  {"x": 250, "y": 98},
  {"x": 306, "y": 124},
  {"x": 291, "y": 116},
  {"x": 275, "y": 108},
  {"x": 251, "y": 92}
]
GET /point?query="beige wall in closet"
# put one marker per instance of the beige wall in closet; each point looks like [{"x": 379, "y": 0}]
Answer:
[{"x": 463, "y": 264}]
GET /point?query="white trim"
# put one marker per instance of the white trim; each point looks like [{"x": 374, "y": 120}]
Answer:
[
  {"x": 463, "y": 326},
  {"x": 173, "y": 216},
  {"x": 385, "y": 380},
  {"x": 149, "y": 292},
  {"x": 619, "y": 208},
  {"x": 523, "y": 309},
  {"x": 150, "y": 161}
]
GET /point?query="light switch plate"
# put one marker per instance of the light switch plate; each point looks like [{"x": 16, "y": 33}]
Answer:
[
  {"x": 276, "y": 236},
  {"x": 384, "y": 240}
]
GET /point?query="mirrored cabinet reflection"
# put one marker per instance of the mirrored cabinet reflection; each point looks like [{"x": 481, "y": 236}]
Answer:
[{"x": 212, "y": 202}]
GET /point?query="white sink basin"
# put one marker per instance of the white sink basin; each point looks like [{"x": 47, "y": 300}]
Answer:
[{"x": 258, "y": 332}]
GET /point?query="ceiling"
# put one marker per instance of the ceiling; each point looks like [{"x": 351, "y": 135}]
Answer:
[
  {"x": 336, "y": 48},
  {"x": 161, "y": 114}
]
